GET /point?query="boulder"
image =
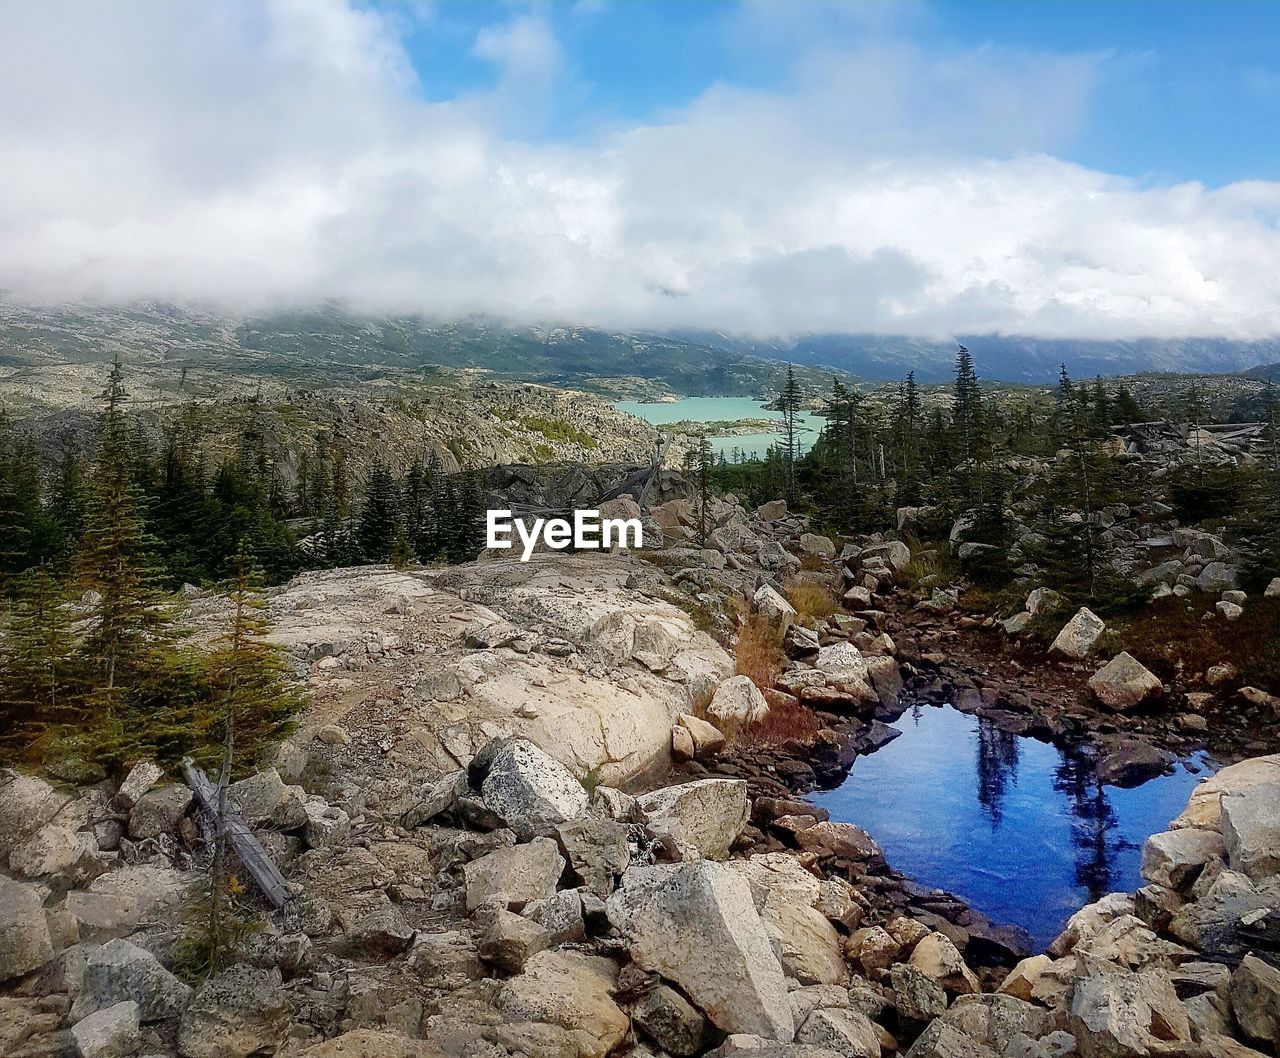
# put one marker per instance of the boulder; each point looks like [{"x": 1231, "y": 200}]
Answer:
[
  {"x": 917, "y": 996},
  {"x": 846, "y": 1032},
  {"x": 1175, "y": 858},
  {"x": 509, "y": 940},
  {"x": 240, "y": 1012},
  {"x": 598, "y": 849},
  {"x": 1204, "y": 810},
  {"x": 936, "y": 956},
  {"x": 705, "y": 739},
  {"x": 996, "y": 1021},
  {"x": 816, "y": 545},
  {"x": 1217, "y": 577},
  {"x": 843, "y": 663},
  {"x": 140, "y": 779},
  {"x": 737, "y": 705},
  {"x": 1273, "y": 589},
  {"x": 845, "y": 841},
  {"x": 697, "y": 925},
  {"x": 1021, "y": 982},
  {"x": 120, "y": 971},
  {"x": 872, "y": 948},
  {"x": 941, "y": 1040},
  {"x": 368, "y": 1043},
  {"x": 26, "y": 804},
  {"x": 326, "y": 824},
  {"x": 808, "y": 944},
  {"x": 158, "y": 811},
  {"x": 1124, "y": 682},
  {"x": 1255, "y": 999},
  {"x": 532, "y": 792},
  {"x": 1120, "y": 1014},
  {"x": 1042, "y": 600},
  {"x": 515, "y": 875},
  {"x": 1229, "y": 610},
  {"x": 1079, "y": 635},
  {"x": 1251, "y": 830},
  {"x": 25, "y": 944},
  {"x": 772, "y": 510},
  {"x": 670, "y": 1020},
  {"x": 51, "y": 850},
  {"x": 573, "y": 991},
  {"x": 702, "y": 818},
  {"x": 111, "y": 1033},
  {"x": 263, "y": 800},
  {"x": 770, "y": 604}
]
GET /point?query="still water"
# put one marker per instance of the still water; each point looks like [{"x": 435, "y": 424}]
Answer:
[
  {"x": 1020, "y": 829},
  {"x": 725, "y": 409}
]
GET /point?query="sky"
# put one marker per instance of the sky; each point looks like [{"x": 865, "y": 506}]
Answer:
[{"x": 1062, "y": 168}]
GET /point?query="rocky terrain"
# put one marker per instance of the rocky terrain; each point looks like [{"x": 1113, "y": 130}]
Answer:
[{"x": 530, "y": 810}]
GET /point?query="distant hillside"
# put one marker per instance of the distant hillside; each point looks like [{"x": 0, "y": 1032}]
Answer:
[
  {"x": 1009, "y": 358},
  {"x": 330, "y": 346},
  {"x": 1264, "y": 373}
]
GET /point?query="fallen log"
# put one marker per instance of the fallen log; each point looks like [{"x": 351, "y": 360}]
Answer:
[{"x": 259, "y": 866}]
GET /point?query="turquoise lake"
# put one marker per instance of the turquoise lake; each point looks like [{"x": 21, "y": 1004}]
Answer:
[{"x": 725, "y": 409}]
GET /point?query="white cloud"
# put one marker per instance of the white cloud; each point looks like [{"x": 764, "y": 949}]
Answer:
[{"x": 250, "y": 153}]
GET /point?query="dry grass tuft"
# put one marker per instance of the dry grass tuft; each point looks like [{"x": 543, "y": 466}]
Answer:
[
  {"x": 813, "y": 602},
  {"x": 787, "y": 720},
  {"x": 757, "y": 652}
]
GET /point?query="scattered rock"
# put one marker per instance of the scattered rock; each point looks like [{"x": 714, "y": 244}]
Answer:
[
  {"x": 241, "y": 1011},
  {"x": 737, "y": 705},
  {"x": 1124, "y": 682},
  {"x": 1078, "y": 636},
  {"x": 159, "y": 811},
  {"x": 532, "y": 792},
  {"x": 111, "y": 1033},
  {"x": 515, "y": 875},
  {"x": 24, "y": 934},
  {"x": 120, "y": 971}
]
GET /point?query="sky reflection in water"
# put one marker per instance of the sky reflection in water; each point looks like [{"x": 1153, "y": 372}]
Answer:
[{"x": 1018, "y": 828}]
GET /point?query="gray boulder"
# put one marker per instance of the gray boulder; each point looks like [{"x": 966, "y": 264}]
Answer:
[
  {"x": 24, "y": 932},
  {"x": 241, "y": 1011},
  {"x": 918, "y": 997},
  {"x": 696, "y": 924},
  {"x": 515, "y": 875},
  {"x": 1124, "y": 682},
  {"x": 846, "y": 1032},
  {"x": 1255, "y": 999},
  {"x": 770, "y": 604},
  {"x": 736, "y": 705},
  {"x": 26, "y": 804},
  {"x": 532, "y": 792},
  {"x": 140, "y": 779},
  {"x": 1175, "y": 858},
  {"x": 1251, "y": 830},
  {"x": 1216, "y": 578},
  {"x": 120, "y": 971},
  {"x": 1078, "y": 636},
  {"x": 111, "y": 1033},
  {"x": 159, "y": 811},
  {"x": 1119, "y": 1014},
  {"x": 670, "y": 1020},
  {"x": 264, "y": 800},
  {"x": 702, "y": 818}
]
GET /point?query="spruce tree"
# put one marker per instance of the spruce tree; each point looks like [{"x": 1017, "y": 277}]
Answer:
[
  {"x": 114, "y": 560},
  {"x": 379, "y": 514},
  {"x": 966, "y": 408},
  {"x": 789, "y": 403},
  {"x": 700, "y": 463}
]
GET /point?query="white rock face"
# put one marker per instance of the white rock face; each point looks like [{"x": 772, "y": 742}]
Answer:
[
  {"x": 697, "y": 925},
  {"x": 703, "y": 818},
  {"x": 1124, "y": 682},
  {"x": 1078, "y": 636},
  {"x": 737, "y": 705},
  {"x": 531, "y": 791}
]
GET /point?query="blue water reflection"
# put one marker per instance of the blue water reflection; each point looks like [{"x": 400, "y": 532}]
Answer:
[{"x": 1020, "y": 829}]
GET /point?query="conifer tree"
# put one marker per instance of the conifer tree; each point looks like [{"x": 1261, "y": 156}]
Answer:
[
  {"x": 700, "y": 463},
  {"x": 380, "y": 514},
  {"x": 114, "y": 558},
  {"x": 789, "y": 403},
  {"x": 38, "y": 664},
  {"x": 966, "y": 408}
]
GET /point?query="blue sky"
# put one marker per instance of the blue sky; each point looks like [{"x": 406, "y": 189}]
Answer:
[
  {"x": 774, "y": 168},
  {"x": 1184, "y": 89}
]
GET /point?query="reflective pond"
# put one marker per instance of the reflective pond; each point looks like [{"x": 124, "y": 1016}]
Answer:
[{"x": 1020, "y": 829}]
